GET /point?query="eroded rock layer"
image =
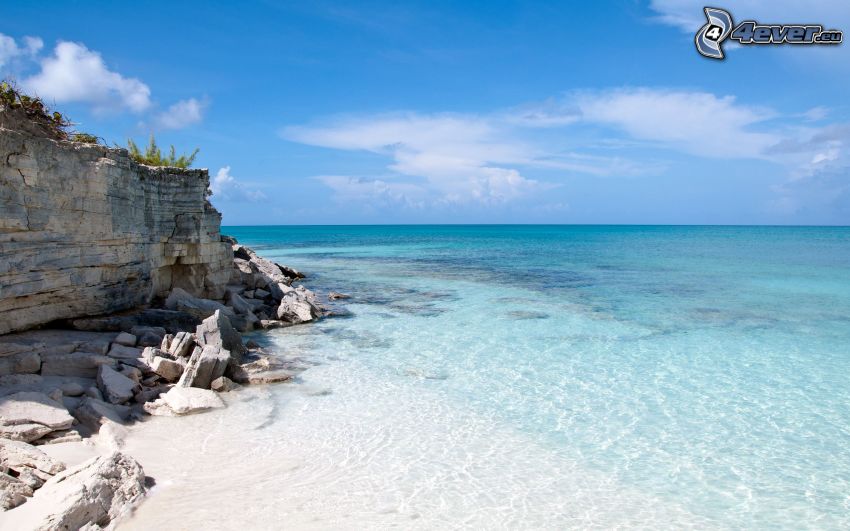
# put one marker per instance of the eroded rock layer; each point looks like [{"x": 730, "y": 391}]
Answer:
[{"x": 84, "y": 230}]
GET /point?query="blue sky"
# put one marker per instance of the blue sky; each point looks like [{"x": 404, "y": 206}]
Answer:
[{"x": 448, "y": 112}]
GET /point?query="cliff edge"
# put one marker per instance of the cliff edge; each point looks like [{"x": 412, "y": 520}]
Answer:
[{"x": 85, "y": 230}]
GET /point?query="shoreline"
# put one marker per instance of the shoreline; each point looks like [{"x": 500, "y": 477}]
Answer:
[
  {"x": 120, "y": 299},
  {"x": 385, "y": 428},
  {"x": 187, "y": 373},
  {"x": 346, "y": 447}
]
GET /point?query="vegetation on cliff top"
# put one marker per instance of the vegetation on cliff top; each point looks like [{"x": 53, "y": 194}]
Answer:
[
  {"x": 34, "y": 109},
  {"x": 85, "y": 138},
  {"x": 56, "y": 125},
  {"x": 152, "y": 155}
]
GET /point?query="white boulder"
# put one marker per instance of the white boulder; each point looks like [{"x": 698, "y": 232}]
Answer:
[
  {"x": 29, "y": 415},
  {"x": 184, "y": 401},
  {"x": 92, "y": 495},
  {"x": 13, "y": 492},
  {"x": 169, "y": 370},
  {"x": 181, "y": 345},
  {"x": 204, "y": 366},
  {"x": 295, "y": 309},
  {"x": 116, "y": 388}
]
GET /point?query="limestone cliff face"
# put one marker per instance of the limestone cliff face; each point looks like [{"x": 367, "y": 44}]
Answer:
[{"x": 84, "y": 230}]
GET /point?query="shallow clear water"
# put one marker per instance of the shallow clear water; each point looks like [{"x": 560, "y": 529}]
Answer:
[{"x": 537, "y": 377}]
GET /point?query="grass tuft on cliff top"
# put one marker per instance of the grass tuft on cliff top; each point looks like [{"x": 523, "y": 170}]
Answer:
[
  {"x": 152, "y": 155},
  {"x": 34, "y": 109},
  {"x": 54, "y": 123},
  {"x": 57, "y": 126}
]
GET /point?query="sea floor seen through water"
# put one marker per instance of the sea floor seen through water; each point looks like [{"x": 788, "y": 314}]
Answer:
[{"x": 534, "y": 377}]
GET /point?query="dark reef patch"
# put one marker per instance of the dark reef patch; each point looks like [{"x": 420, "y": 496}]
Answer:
[{"x": 521, "y": 315}]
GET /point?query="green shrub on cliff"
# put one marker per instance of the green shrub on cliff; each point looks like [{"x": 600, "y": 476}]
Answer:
[
  {"x": 153, "y": 155},
  {"x": 34, "y": 109},
  {"x": 53, "y": 123},
  {"x": 85, "y": 138}
]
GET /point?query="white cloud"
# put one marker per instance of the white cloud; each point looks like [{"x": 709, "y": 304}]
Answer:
[
  {"x": 483, "y": 158},
  {"x": 182, "y": 114},
  {"x": 226, "y": 187},
  {"x": 10, "y": 50},
  {"x": 75, "y": 73},
  {"x": 688, "y": 15},
  {"x": 377, "y": 192},
  {"x": 816, "y": 159},
  {"x": 601, "y": 166},
  {"x": 550, "y": 113},
  {"x": 490, "y": 158},
  {"x": 461, "y": 158},
  {"x": 831, "y": 154},
  {"x": 815, "y": 114},
  {"x": 824, "y": 195},
  {"x": 695, "y": 122},
  {"x": 33, "y": 45},
  {"x": 818, "y": 180}
]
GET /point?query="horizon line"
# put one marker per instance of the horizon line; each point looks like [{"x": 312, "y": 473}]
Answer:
[{"x": 765, "y": 225}]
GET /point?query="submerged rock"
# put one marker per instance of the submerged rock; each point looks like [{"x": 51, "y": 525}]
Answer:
[
  {"x": 338, "y": 312},
  {"x": 271, "y": 324},
  {"x": 251, "y": 344},
  {"x": 262, "y": 369}
]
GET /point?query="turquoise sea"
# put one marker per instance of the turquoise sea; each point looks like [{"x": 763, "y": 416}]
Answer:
[{"x": 554, "y": 377}]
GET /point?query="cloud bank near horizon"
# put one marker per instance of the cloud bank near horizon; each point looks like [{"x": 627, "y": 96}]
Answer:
[{"x": 495, "y": 158}]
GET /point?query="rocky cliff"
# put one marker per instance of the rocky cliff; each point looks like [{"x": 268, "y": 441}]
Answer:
[{"x": 85, "y": 230}]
